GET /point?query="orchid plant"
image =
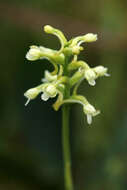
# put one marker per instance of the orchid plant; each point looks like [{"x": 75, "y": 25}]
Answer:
[{"x": 63, "y": 83}]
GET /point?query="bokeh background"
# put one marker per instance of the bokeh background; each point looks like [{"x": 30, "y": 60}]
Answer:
[{"x": 30, "y": 137}]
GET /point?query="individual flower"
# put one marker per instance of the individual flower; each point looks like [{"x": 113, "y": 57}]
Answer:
[
  {"x": 31, "y": 94},
  {"x": 90, "y": 37},
  {"x": 90, "y": 76},
  {"x": 50, "y": 91},
  {"x": 101, "y": 71},
  {"x": 90, "y": 112},
  {"x": 34, "y": 53}
]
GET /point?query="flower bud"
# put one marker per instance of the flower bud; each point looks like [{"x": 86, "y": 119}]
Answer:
[
  {"x": 48, "y": 29},
  {"x": 90, "y": 37},
  {"x": 34, "y": 53}
]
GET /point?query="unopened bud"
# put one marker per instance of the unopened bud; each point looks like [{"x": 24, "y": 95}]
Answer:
[
  {"x": 48, "y": 29},
  {"x": 90, "y": 37}
]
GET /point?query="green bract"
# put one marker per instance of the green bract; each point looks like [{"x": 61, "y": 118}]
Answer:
[{"x": 68, "y": 72}]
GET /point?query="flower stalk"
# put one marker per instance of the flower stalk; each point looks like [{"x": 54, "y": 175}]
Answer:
[{"x": 66, "y": 147}]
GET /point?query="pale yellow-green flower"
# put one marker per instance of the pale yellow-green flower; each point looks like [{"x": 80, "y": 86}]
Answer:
[
  {"x": 101, "y": 71},
  {"x": 31, "y": 94},
  {"x": 49, "y": 92},
  {"x": 90, "y": 76},
  {"x": 90, "y": 112}
]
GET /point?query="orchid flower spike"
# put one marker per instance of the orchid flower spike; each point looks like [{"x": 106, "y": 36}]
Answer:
[{"x": 68, "y": 72}]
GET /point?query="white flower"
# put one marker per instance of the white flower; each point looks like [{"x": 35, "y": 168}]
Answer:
[
  {"x": 34, "y": 53},
  {"x": 90, "y": 76},
  {"x": 101, "y": 71},
  {"x": 49, "y": 91},
  {"x": 90, "y": 112},
  {"x": 93, "y": 73},
  {"x": 90, "y": 37},
  {"x": 31, "y": 94}
]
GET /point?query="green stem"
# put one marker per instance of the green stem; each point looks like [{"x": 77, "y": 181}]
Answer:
[{"x": 66, "y": 148}]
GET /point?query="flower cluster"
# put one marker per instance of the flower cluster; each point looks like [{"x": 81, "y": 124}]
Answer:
[{"x": 68, "y": 72}]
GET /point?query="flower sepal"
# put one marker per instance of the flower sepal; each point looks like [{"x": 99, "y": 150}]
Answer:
[{"x": 49, "y": 77}]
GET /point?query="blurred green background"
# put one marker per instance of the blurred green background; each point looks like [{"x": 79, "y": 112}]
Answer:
[{"x": 30, "y": 137}]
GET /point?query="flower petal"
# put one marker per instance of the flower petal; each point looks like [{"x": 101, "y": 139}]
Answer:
[
  {"x": 92, "y": 82},
  {"x": 45, "y": 96}
]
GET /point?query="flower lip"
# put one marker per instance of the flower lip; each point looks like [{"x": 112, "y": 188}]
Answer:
[{"x": 45, "y": 96}]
